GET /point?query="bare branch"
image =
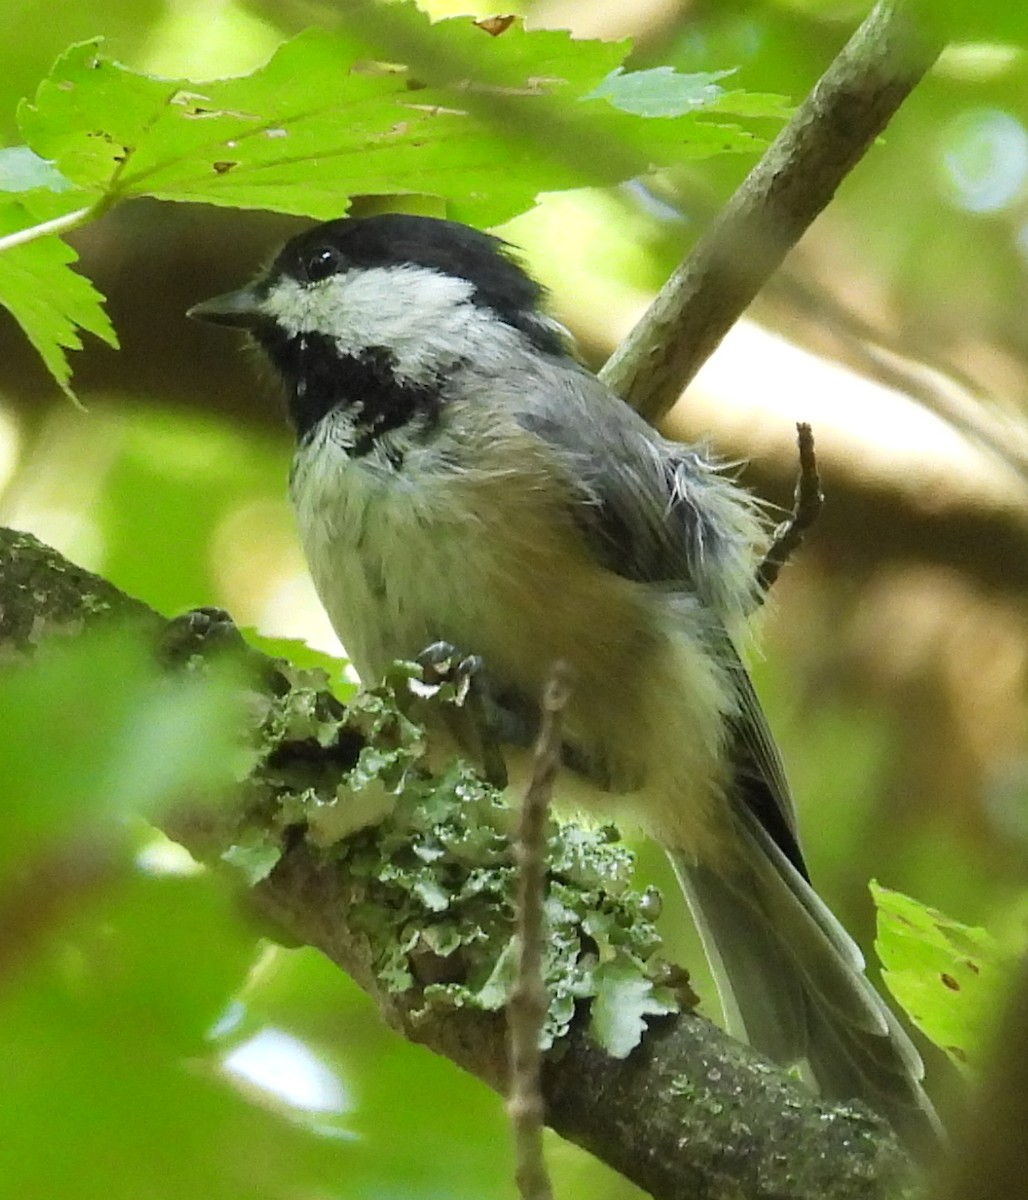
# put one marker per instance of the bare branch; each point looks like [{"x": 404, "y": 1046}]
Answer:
[
  {"x": 526, "y": 1009},
  {"x": 793, "y": 182},
  {"x": 807, "y": 503}
]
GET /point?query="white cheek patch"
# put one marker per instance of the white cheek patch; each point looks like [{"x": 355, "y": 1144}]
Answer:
[{"x": 426, "y": 319}]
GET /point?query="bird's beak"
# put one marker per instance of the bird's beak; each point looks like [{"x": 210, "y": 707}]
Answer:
[{"x": 240, "y": 309}]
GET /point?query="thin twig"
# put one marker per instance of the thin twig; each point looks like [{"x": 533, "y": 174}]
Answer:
[
  {"x": 779, "y": 199},
  {"x": 526, "y": 1009},
  {"x": 808, "y": 500},
  {"x": 62, "y": 224}
]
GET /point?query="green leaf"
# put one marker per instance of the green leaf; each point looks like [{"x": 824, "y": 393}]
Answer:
[
  {"x": 663, "y": 92},
  {"x": 95, "y": 732},
  {"x": 301, "y": 654},
  {"x": 625, "y": 996},
  {"x": 532, "y": 61},
  {"x": 46, "y": 297},
  {"x": 92, "y": 116},
  {"x": 394, "y": 105},
  {"x": 948, "y": 977},
  {"x": 109, "y": 1021},
  {"x": 317, "y": 124}
]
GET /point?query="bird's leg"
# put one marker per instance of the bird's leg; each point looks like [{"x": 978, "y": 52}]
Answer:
[
  {"x": 458, "y": 681},
  {"x": 199, "y": 630}
]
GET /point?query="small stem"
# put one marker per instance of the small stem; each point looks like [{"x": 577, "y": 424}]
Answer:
[
  {"x": 808, "y": 500},
  {"x": 44, "y": 229}
]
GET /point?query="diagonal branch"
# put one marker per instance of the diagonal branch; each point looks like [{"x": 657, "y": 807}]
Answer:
[
  {"x": 690, "y": 1112},
  {"x": 791, "y": 184}
]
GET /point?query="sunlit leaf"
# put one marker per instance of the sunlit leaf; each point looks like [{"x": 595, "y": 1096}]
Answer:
[
  {"x": 664, "y": 92},
  {"x": 482, "y": 123},
  {"x": 948, "y": 977},
  {"x": 318, "y": 124},
  {"x": 50, "y": 301},
  {"x": 302, "y": 654}
]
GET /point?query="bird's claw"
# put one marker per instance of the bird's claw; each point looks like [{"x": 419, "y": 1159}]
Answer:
[
  {"x": 445, "y": 673},
  {"x": 457, "y": 679},
  {"x": 199, "y": 630}
]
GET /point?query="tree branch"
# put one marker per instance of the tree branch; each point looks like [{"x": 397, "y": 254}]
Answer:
[
  {"x": 792, "y": 183},
  {"x": 689, "y": 1112}
]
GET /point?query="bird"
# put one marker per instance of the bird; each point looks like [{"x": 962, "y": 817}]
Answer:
[{"x": 460, "y": 478}]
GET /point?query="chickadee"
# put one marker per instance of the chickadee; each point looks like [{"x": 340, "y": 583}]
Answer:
[{"x": 460, "y": 477}]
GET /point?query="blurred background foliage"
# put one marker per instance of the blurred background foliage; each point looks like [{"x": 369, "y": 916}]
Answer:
[{"x": 153, "y": 1047}]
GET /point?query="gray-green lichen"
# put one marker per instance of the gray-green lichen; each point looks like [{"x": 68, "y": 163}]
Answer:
[
  {"x": 689, "y": 1113},
  {"x": 430, "y": 868}
]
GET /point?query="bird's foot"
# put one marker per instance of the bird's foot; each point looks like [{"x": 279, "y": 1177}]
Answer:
[{"x": 458, "y": 680}]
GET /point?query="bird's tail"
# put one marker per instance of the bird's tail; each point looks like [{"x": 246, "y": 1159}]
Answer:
[{"x": 792, "y": 984}]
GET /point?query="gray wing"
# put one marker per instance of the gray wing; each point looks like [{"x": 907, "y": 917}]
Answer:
[{"x": 663, "y": 514}]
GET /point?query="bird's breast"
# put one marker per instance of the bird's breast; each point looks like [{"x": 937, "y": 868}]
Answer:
[
  {"x": 363, "y": 523},
  {"x": 489, "y": 560},
  {"x": 485, "y": 556}
]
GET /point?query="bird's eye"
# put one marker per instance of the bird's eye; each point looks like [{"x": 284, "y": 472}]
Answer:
[{"x": 322, "y": 262}]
